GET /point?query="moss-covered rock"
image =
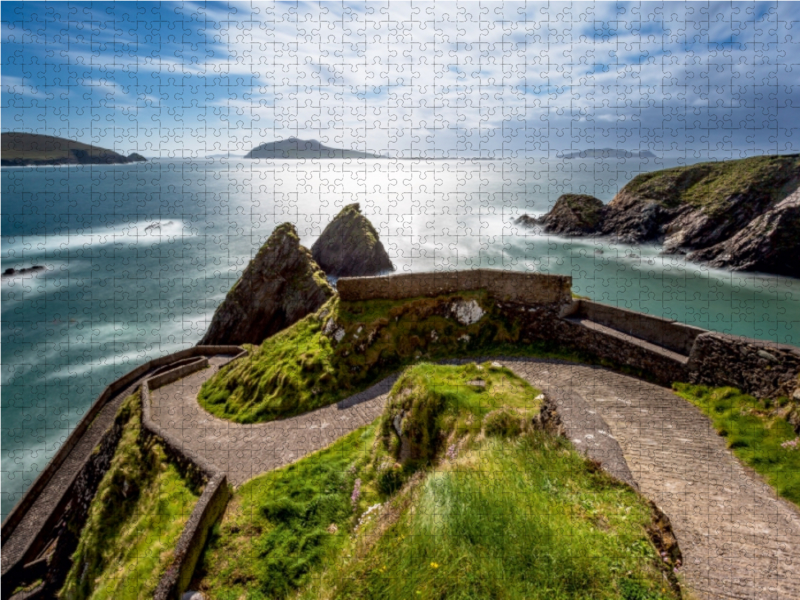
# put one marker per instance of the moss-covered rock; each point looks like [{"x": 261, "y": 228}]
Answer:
[
  {"x": 350, "y": 247},
  {"x": 280, "y": 286}
]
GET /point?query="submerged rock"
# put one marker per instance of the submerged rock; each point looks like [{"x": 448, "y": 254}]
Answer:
[
  {"x": 280, "y": 286},
  {"x": 349, "y": 246}
]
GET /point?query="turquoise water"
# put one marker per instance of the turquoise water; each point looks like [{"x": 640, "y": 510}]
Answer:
[{"x": 119, "y": 291}]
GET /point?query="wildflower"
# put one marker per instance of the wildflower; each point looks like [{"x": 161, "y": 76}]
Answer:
[
  {"x": 356, "y": 492},
  {"x": 791, "y": 444},
  {"x": 451, "y": 452},
  {"x": 434, "y": 565}
]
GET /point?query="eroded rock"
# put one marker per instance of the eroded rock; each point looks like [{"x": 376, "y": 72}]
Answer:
[
  {"x": 280, "y": 286},
  {"x": 350, "y": 247}
]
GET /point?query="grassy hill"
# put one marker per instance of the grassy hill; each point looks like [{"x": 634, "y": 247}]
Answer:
[
  {"x": 19, "y": 149},
  {"x": 485, "y": 505}
]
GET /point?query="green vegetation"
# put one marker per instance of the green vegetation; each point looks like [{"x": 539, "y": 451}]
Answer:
[
  {"x": 709, "y": 185},
  {"x": 347, "y": 346},
  {"x": 478, "y": 516},
  {"x": 588, "y": 210},
  {"x": 135, "y": 519},
  {"x": 429, "y": 403},
  {"x": 757, "y": 436}
]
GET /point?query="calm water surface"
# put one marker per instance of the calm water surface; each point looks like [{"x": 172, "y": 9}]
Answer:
[{"x": 138, "y": 256}]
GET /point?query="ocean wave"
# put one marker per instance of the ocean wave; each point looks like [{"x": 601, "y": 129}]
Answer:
[{"x": 123, "y": 235}]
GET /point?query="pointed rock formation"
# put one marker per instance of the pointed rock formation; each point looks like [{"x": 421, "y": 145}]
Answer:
[
  {"x": 349, "y": 246},
  {"x": 281, "y": 285}
]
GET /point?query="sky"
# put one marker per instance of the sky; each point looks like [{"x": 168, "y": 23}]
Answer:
[{"x": 718, "y": 80}]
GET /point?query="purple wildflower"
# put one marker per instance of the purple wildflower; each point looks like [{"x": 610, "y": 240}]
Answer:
[
  {"x": 451, "y": 452},
  {"x": 356, "y": 493}
]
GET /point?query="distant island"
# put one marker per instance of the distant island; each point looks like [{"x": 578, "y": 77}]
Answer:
[
  {"x": 296, "y": 148},
  {"x": 607, "y": 153},
  {"x": 24, "y": 149}
]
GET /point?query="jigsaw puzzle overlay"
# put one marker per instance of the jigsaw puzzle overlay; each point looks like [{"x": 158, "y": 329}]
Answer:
[{"x": 455, "y": 127}]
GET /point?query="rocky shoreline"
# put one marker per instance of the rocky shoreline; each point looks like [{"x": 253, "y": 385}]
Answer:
[{"x": 742, "y": 215}]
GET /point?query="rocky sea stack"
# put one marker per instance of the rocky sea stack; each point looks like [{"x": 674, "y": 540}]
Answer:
[
  {"x": 740, "y": 214},
  {"x": 349, "y": 246},
  {"x": 281, "y": 285}
]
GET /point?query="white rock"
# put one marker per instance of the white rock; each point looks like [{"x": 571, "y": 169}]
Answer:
[
  {"x": 467, "y": 312},
  {"x": 339, "y": 334},
  {"x": 190, "y": 595}
]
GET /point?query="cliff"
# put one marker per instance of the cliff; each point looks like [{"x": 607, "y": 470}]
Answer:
[
  {"x": 732, "y": 214},
  {"x": 350, "y": 247},
  {"x": 296, "y": 148},
  {"x": 280, "y": 286},
  {"x": 22, "y": 149}
]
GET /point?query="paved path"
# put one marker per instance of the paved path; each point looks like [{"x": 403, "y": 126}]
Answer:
[
  {"x": 737, "y": 538},
  {"x": 244, "y": 451}
]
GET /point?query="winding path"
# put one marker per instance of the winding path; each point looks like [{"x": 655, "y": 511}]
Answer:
[{"x": 737, "y": 538}]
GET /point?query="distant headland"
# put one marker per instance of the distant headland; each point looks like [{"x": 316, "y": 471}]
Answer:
[
  {"x": 607, "y": 153},
  {"x": 297, "y": 148},
  {"x": 25, "y": 149}
]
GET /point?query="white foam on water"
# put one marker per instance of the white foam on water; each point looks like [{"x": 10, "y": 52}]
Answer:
[{"x": 121, "y": 234}]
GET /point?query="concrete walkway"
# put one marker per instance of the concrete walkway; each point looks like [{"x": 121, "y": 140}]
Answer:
[{"x": 737, "y": 538}]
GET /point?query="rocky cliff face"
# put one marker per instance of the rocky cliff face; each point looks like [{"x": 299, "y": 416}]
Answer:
[
  {"x": 280, "y": 286},
  {"x": 731, "y": 214},
  {"x": 349, "y": 246}
]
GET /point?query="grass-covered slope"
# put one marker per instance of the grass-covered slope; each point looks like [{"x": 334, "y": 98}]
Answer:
[
  {"x": 488, "y": 507},
  {"x": 757, "y": 433},
  {"x": 135, "y": 520},
  {"x": 346, "y": 346},
  {"x": 713, "y": 186}
]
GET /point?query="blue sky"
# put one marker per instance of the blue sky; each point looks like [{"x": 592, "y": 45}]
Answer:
[{"x": 190, "y": 79}]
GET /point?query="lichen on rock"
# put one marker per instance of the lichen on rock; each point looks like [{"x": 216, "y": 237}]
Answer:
[
  {"x": 281, "y": 285},
  {"x": 350, "y": 246}
]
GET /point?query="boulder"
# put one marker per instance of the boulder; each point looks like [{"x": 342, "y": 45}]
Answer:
[
  {"x": 349, "y": 246},
  {"x": 280, "y": 286},
  {"x": 574, "y": 214}
]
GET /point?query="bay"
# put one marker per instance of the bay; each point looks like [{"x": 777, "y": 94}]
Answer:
[{"x": 138, "y": 256}]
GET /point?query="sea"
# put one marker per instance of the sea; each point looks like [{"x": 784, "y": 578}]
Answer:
[{"x": 138, "y": 257}]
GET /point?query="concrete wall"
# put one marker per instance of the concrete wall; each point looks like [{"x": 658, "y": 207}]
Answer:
[{"x": 509, "y": 286}]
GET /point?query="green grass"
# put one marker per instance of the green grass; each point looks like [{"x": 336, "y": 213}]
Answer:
[
  {"x": 430, "y": 402},
  {"x": 710, "y": 185},
  {"x": 506, "y": 516},
  {"x": 753, "y": 433},
  {"x": 527, "y": 518},
  {"x": 278, "y": 530},
  {"x": 303, "y": 368},
  {"x": 134, "y": 522}
]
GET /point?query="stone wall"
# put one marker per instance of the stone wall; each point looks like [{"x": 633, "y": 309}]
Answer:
[
  {"x": 83, "y": 483},
  {"x": 510, "y": 286},
  {"x": 763, "y": 369},
  {"x": 667, "y": 333}
]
